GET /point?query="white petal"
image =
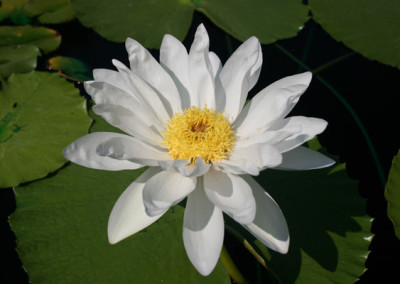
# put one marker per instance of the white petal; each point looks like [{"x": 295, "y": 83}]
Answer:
[
  {"x": 200, "y": 71},
  {"x": 310, "y": 127},
  {"x": 302, "y": 158},
  {"x": 269, "y": 226},
  {"x": 166, "y": 189},
  {"x": 239, "y": 75},
  {"x": 185, "y": 168},
  {"x": 175, "y": 60},
  {"x": 216, "y": 65},
  {"x": 272, "y": 103},
  {"x": 110, "y": 77},
  {"x": 203, "y": 230},
  {"x": 106, "y": 94},
  {"x": 128, "y": 215},
  {"x": 150, "y": 70},
  {"x": 252, "y": 159},
  {"x": 145, "y": 94},
  {"x": 132, "y": 149},
  {"x": 128, "y": 122},
  {"x": 84, "y": 152},
  {"x": 231, "y": 194}
]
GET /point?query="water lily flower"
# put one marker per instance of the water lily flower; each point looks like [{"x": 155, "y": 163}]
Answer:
[{"x": 186, "y": 119}]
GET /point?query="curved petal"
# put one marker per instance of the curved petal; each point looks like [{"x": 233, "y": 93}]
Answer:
[
  {"x": 132, "y": 149},
  {"x": 186, "y": 168},
  {"x": 165, "y": 189},
  {"x": 128, "y": 215},
  {"x": 106, "y": 94},
  {"x": 128, "y": 122},
  {"x": 200, "y": 71},
  {"x": 145, "y": 94},
  {"x": 310, "y": 127},
  {"x": 269, "y": 226},
  {"x": 239, "y": 75},
  {"x": 175, "y": 60},
  {"x": 203, "y": 230},
  {"x": 272, "y": 103},
  {"x": 252, "y": 159},
  {"x": 111, "y": 77},
  {"x": 142, "y": 62},
  {"x": 84, "y": 152},
  {"x": 302, "y": 158},
  {"x": 231, "y": 194}
]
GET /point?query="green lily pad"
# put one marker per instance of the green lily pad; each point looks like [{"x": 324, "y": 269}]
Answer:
[
  {"x": 70, "y": 68},
  {"x": 46, "y": 39},
  {"x": 148, "y": 21},
  {"x": 18, "y": 59},
  {"x": 329, "y": 229},
  {"x": 392, "y": 194},
  {"x": 40, "y": 114},
  {"x": 47, "y": 12},
  {"x": 61, "y": 229},
  {"x": 369, "y": 27}
]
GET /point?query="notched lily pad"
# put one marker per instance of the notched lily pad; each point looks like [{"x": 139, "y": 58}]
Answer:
[
  {"x": 148, "y": 21},
  {"x": 369, "y": 27},
  {"x": 40, "y": 114}
]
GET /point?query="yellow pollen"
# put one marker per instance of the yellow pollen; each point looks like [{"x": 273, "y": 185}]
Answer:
[{"x": 199, "y": 133}]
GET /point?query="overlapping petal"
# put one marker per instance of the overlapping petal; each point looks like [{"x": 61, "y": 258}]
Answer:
[
  {"x": 165, "y": 189},
  {"x": 302, "y": 158},
  {"x": 128, "y": 215},
  {"x": 269, "y": 225},
  {"x": 203, "y": 230},
  {"x": 84, "y": 152},
  {"x": 231, "y": 194}
]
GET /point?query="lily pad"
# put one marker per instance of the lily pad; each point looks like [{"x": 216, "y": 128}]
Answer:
[
  {"x": 47, "y": 12},
  {"x": 392, "y": 194},
  {"x": 61, "y": 229},
  {"x": 369, "y": 27},
  {"x": 18, "y": 59},
  {"x": 46, "y": 39},
  {"x": 148, "y": 21},
  {"x": 329, "y": 229},
  {"x": 71, "y": 68},
  {"x": 40, "y": 114}
]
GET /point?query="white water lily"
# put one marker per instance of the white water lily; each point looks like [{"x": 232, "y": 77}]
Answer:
[{"x": 185, "y": 118}]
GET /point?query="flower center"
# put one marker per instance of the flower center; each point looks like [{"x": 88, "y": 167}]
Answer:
[{"x": 199, "y": 133}]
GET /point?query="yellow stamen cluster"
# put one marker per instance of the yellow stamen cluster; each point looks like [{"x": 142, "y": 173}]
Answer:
[{"x": 199, "y": 133}]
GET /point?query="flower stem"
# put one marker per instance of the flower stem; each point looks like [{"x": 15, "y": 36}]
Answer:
[{"x": 230, "y": 266}]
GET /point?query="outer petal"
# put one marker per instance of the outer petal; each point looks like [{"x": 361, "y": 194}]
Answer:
[
  {"x": 106, "y": 94},
  {"x": 112, "y": 78},
  {"x": 272, "y": 103},
  {"x": 129, "y": 122},
  {"x": 302, "y": 158},
  {"x": 269, "y": 226},
  {"x": 142, "y": 62},
  {"x": 84, "y": 152},
  {"x": 232, "y": 195},
  {"x": 175, "y": 60},
  {"x": 165, "y": 189},
  {"x": 310, "y": 127},
  {"x": 251, "y": 159},
  {"x": 203, "y": 230},
  {"x": 132, "y": 149},
  {"x": 200, "y": 71},
  {"x": 128, "y": 215},
  {"x": 239, "y": 75}
]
